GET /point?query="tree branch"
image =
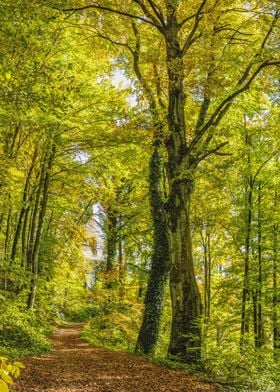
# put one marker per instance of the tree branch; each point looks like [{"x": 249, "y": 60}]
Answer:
[
  {"x": 157, "y": 12},
  {"x": 148, "y": 92},
  {"x": 226, "y": 28},
  {"x": 189, "y": 39},
  {"x": 107, "y": 38},
  {"x": 158, "y": 88},
  {"x": 224, "y": 106},
  {"x": 184, "y": 21},
  {"x": 266, "y": 37},
  {"x": 112, "y": 10},
  {"x": 262, "y": 165},
  {"x": 203, "y": 111},
  {"x": 214, "y": 151},
  {"x": 148, "y": 14}
]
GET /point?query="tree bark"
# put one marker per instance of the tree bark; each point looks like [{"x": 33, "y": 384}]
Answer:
[
  {"x": 6, "y": 250},
  {"x": 207, "y": 272},
  {"x": 244, "y": 327},
  {"x": 122, "y": 270},
  {"x": 111, "y": 240},
  {"x": 185, "y": 339},
  {"x": 260, "y": 327},
  {"x": 275, "y": 298}
]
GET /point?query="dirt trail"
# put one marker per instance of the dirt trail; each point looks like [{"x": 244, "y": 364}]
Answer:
[{"x": 74, "y": 366}]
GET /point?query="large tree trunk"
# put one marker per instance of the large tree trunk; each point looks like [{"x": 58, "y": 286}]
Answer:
[
  {"x": 154, "y": 298},
  {"x": 185, "y": 340}
]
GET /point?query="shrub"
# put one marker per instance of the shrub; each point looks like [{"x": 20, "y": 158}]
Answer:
[
  {"x": 116, "y": 328},
  {"x": 22, "y": 333},
  {"x": 253, "y": 370}
]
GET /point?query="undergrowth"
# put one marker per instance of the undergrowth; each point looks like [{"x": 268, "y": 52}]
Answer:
[
  {"x": 253, "y": 370},
  {"x": 23, "y": 333},
  {"x": 114, "y": 324}
]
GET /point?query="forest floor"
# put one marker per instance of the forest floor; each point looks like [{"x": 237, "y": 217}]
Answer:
[{"x": 75, "y": 366}]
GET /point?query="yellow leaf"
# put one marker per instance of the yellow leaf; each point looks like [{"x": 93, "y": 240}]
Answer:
[
  {"x": 5, "y": 376},
  {"x": 3, "y": 386},
  {"x": 19, "y": 364},
  {"x": 16, "y": 373}
]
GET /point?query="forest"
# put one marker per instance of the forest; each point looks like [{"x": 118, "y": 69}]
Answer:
[{"x": 139, "y": 178}]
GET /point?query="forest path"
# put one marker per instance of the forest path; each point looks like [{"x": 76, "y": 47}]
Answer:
[{"x": 75, "y": 366}]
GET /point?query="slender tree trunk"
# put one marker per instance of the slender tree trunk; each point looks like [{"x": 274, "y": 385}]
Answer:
[
  {"x": 255, "y": 317},
  {"x": 260, "y": 329},
  {"x": 122, "y": 271},
  {"x": 141, "y": 285},
  {"x": 7, "y": 234},
  {"x": 6, "y": 249},
  {"x": 111, "y": 240},
  {"x": 207, "y": 274},
  {"x": 33, "y": 222},
  {"x": 23, "y": 208},
  {"x": 24, "y": 236},
  {"x": 8, "y": 149},
  {"x": 44, "y": 186},
  {"x": 154, "y": 298},
  {"x": 275, "y": 298},
  {"x": 5, "y": 208},
  {"x": 244, "y": 328},
  {"x": 32, "y": 263}
]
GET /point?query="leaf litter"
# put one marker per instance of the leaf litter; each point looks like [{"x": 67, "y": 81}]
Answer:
[{"x": 75, "y": 366}]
